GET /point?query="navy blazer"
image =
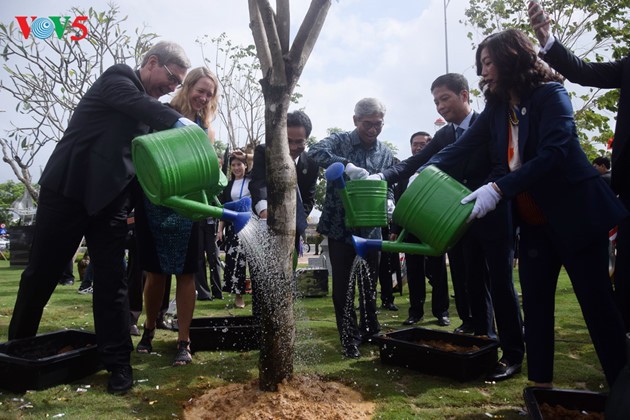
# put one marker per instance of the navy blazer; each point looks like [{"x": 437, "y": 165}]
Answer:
[
  {"x": 576, "y": 202},
  {"x": 610, "y": 75},
  {"x": 92, "y": 161}
]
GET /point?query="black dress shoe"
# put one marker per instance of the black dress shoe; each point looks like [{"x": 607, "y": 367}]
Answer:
[
  {"x": 503, "y": 370},
  {"x": 443, "y": 321},
  {"x": 120, "y": 380},
  {"x": 464, "y": 329},
  {"x": 351, "y": 351},
  {"x": 412, "y": 320},
  {"x": 390, "y": 306}
]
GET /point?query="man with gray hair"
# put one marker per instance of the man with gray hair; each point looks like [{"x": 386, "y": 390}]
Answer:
[
  {"x": 86, "y": 190},
  {"x": 362, "y": 154}
]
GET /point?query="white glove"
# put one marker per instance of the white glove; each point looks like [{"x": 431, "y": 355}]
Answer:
[
  {"x": 486, "y": 199},
  {"x": 390, "y": 208},
  {"x": 376, "y": 177},
  {"x": 183, "y": 122},
  {"x": 354, "y": 172}
]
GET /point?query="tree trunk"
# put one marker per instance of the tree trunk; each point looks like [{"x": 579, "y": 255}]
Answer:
[{"x": 277, "y": 320}]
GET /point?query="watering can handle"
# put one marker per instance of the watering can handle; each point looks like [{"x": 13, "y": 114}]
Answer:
[{"x": 334, "y": 173}]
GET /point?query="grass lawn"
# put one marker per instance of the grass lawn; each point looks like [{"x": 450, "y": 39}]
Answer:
[{"x": 161, "y": 390}]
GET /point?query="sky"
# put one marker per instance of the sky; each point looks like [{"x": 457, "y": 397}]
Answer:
[{"x": 388, "y": 49}]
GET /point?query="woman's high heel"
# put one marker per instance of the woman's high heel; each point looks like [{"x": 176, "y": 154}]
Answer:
[{"x": 145, "y": 346}]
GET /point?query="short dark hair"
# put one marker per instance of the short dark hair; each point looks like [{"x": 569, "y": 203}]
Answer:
[
  {"x": 419, "y": 133},
  {"x": 300, "y": 119},
  {"x": 602, "y": 160},
  {"x": 454, "y": 82}
]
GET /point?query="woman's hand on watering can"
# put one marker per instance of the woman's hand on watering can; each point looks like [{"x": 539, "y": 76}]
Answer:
[
  {"x": 486, "y": 198},
  {"x": 183, "y": 122},
  {"x": 354, "y": 172},
  {"x": 375, "y": 177}
]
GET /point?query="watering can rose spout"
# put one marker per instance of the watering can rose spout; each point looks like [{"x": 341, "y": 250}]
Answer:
[
  {"x": 362, "y": 246},
  {"x": 238, "y": 212}
]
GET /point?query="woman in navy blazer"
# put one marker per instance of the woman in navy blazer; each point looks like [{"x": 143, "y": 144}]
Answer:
[{"x": 563, "y": 208}]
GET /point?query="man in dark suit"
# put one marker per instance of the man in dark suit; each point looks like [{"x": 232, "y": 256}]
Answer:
[
  {"x": 298, "y": 130},
  {"x": 485, "y": 253},
  {"x": 86, "y": 190},
  {"x": 609, "y": 75}
]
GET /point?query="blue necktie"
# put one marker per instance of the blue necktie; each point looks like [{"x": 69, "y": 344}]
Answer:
[{"x": 459, "y": 132}]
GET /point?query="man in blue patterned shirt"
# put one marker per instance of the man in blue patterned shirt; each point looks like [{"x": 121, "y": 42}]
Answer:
[{"x": 362, "y": 154}]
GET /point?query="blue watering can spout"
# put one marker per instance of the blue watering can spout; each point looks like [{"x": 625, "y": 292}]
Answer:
[
  {"x": 238, "y": 212},
  {"x": 334, "y": 174},
  {"x": 362, "y": 246}
]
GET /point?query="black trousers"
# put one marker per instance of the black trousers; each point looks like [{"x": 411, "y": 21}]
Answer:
[
  {"x": 541, "y": 256},
  {"x": 342, "y": 257},
  {"x": 622, "y": 267},
  {"x": 61, "y": 223},
  {"x": 489, "y": 262},
  {"x": 208, "y": 251},
  {"x": 385, "y": 270},
  {"x": 457, "y": 264},
  {"x": 433, "y": 268}
]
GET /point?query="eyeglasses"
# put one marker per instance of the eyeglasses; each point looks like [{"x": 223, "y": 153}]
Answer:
[
  {"x": 368, "y": 125},
  {"x": 171, "y": 77}
]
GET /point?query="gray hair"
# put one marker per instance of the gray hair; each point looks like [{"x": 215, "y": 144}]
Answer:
[
  {"x": 168, "y": 52},
  {"x": 367, "y": 107}
]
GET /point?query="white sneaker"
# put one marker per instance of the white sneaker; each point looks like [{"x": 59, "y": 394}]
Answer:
[{"x": 86, "y": 291}]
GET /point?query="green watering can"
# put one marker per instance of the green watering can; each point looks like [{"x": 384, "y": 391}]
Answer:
[
  {"x": 178, "y": 168},
  {"x": 430, "y": 210},
  {"x": 364, "y": 201}
]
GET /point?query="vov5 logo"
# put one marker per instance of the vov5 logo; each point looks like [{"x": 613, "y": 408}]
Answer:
[{"x": 43, "y": 28}]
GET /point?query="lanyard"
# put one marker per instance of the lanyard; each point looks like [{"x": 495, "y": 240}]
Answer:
[{"x": 240, "y": 194}]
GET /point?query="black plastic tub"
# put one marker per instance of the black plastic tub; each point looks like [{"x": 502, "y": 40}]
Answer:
[
  {"x": 579, "y": 402},
  {"x": 312, "y": 282},
  {"x": 48, "y": 360},
  {"x": 236, "y": 333},
  {"x": 468, "y": 358}
]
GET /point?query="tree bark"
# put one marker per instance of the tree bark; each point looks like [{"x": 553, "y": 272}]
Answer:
[
  {"x": 278, "y": 323},
  {"x": 281, "y": 70}
]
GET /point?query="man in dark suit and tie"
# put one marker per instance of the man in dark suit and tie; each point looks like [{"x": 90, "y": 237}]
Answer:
[
  {"x": 298, "y": 130},
  {"x": 605, "y": 75},
  {"x": 86, "y": 190},
  {"x": 485, "y": 253}
]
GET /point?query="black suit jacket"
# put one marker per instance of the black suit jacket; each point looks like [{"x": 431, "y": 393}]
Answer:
[
  {"x": 306, "y": 171},
  {"x": 473, "y": 173},
  {"x": 610, "y": 75},
  {"x": 92, "y": 161}
]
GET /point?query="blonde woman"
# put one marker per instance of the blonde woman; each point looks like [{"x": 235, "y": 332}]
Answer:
[{"x": 167, "y": 242}]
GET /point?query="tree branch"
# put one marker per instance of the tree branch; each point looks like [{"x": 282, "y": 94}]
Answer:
[
  {"x": 278, "y": 75},
  {"x": 260, "y": 37},
  {"x": 307, "y": 35},
  {"x": 283, "y": 22}
]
